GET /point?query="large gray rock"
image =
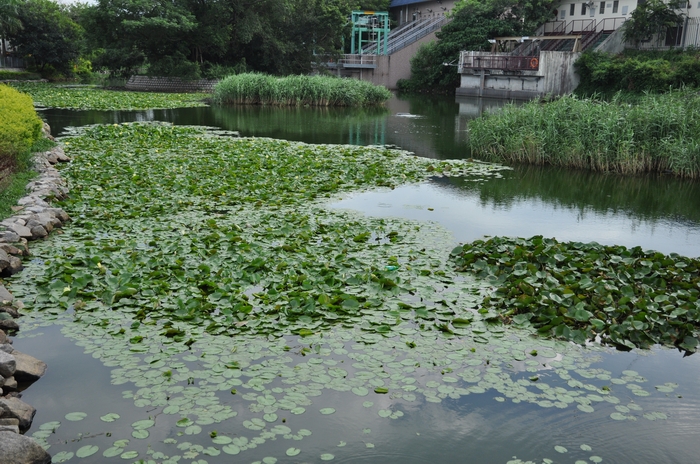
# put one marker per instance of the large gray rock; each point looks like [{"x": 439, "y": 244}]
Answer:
[
  {"x": 18, "y": 449},
  {"x": 8, "y": 364},
  {"x": 9, "y": 326},
  {"x": 15, "y": 265},
  {"x": 9, "y": 236},
  {"x": 5, "y": 295},
  {"x": 10, "y": 249},
  {"x": 3, "y": 338},
  {"x": 28, "y": 368},
  {"x": 7, "y": 348},
  {"x": 10, "y": 384},
  {"x": 9, "y": 310},
  {"x": 39, "y": 231},
  {"x": 4, "y": 259},
  {"x": 60, "y": 214},
  {"x": 15, "y": 407},
  {"x": 22, "y": 231}
]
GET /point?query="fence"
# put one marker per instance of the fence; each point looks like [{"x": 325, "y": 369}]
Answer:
[
  {"x": 686, "y": 35},
  {"x": 10, "y": 61}
]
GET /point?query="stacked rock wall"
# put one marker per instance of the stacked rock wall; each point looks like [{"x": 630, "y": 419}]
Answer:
[
  {"x": 170, "y": 84},
  {"x": 35, "y": 218}
]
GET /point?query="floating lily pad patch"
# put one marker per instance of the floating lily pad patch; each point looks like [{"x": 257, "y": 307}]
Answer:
[{"x": 582, "y": 292}]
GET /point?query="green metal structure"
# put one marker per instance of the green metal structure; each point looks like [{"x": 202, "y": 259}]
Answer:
[{"x": 369, "y": 28}]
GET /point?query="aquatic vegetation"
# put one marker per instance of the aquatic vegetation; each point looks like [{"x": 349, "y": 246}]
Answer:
[
  {"x": 94, "y": 98},
  {"x": 233, "y": 307},
  {"x": 585, "y": 292},
  {"x": 660, "y": 133},
  {"x": 204, "y": 228},
  {"x": 262, "y": 89}
]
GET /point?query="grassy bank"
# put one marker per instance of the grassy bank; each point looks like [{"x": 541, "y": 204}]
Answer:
[
  {"x": 261, "y": 89},
  {"x": 661, "y": 133}
]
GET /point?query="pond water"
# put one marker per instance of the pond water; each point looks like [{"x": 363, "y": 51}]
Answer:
[{"x": 508, "y": 398}]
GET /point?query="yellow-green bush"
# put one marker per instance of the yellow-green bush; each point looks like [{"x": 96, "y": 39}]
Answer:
[{"x": 20, "y": 127}]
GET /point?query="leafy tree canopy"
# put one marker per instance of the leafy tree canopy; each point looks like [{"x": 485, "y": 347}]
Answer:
[
  {"x": 652, "y": 17},
  {"x": 186, "y": 37},
  {"x": 48, "y": 36}
]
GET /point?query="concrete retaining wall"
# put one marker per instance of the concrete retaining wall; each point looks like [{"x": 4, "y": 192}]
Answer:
[
  {"x": 555, "y": 76},
  {"x": 390, "y": 68},
  {"x": 614, "y": 44},
  {"x": 169, "y": 84}
]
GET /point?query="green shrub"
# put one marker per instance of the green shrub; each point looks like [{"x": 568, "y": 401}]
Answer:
[
  {"x": 660, "y": 133},
  {"x": 18, "y": 76},
  {"x": 263, "y": 89},
  {"x": 637, "y": 71},
  {"x": 20, "y": 127}
]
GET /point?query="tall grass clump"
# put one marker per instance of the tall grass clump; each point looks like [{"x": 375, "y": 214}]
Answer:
[
  {"x": 661, "y": 133},
  {"x": 262, "y": 89}
]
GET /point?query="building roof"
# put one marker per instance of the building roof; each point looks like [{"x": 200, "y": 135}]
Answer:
[{"x": 395, "y": 3}]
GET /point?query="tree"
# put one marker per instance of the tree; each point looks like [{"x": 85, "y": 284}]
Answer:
[
  {"x": 9, "y": 21},
  {"x": 181, "y": 37},
  {"x": 133, "y": 32},
  {"x": 652, "y": 17},
  {"x": 48, "y": 36},
  {"x": 474, "y": 23}
]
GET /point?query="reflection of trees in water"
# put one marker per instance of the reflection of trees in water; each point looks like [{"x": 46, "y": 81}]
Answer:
[
  {"x": 648, "y": 197},
  {"x": 366, "y": 126}
]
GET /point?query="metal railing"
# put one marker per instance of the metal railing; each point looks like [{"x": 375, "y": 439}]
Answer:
[
  {"x": 610, "y": 24},
  {"x": 503, "y": 62},
  {"x": 409, "y": 33},
  {"x": 359, "y": 61},
  {"x": 552, "y": 28}
]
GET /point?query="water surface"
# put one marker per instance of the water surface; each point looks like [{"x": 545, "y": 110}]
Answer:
[{"x": 654, "y": 212}]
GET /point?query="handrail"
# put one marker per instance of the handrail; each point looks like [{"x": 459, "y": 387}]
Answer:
[
  {"x": 416, "y": 35},
  {"x": 357, "y": 60},
  {"x": 504, "y": 62},
  {"x": 406, "y": 35},
  {"x": 584, "y": 25},
  {"x": 610, "y": 24}
]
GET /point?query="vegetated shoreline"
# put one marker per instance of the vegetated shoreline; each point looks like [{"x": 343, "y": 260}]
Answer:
[
  {"x": 660, "y": 133},
  {"x": 262, "y": 89}
]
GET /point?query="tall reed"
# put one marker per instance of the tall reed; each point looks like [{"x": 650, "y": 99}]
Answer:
[
  {"x": 262, "y": 89},
  {"x": 659, "y": 133}
]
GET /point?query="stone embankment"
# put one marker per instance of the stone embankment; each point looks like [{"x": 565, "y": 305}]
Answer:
[
  {"x": 34, "y": 219},
  {"x": 170, "y": 84}
]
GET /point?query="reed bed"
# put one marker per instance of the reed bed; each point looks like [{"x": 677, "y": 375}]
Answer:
[
  {"x": 262, "y": 89},
  {"x": 661, "y": 133}
]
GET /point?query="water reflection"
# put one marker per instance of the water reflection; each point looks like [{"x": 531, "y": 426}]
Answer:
[
  {"x": 652, "y": 212},
  {"x": 438, "y": 132},
  {"x": 655, "y": 212}
]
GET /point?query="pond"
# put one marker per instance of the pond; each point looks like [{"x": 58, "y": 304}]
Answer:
[{"x": 489, "y": 395}]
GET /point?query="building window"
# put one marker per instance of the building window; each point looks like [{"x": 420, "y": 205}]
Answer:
[
  {"x": 562, "y": 14},
  {"x": 572, "y": 9},
  {"x": 583, "y": 8},
  {"x": 625, "y": 9},
  {"x": 602, "y": 7},
  {"x": 616, "y": 5}
]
